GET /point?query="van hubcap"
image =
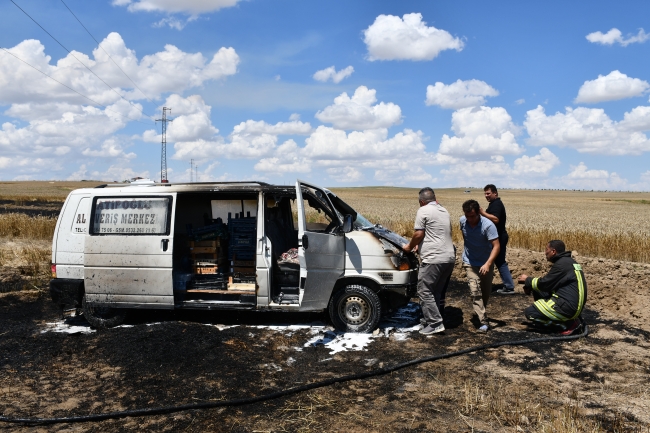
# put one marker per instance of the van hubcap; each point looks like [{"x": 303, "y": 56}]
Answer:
[{"x": 355, "y": 310}]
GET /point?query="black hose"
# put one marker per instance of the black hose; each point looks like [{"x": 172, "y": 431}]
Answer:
[{"x": 285, "y": 392}]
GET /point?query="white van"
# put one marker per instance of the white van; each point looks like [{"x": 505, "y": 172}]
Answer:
[{"x": 235, "y": 245}]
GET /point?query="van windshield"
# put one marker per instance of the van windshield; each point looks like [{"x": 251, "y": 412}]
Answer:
[{"x": 342, "y": 208}]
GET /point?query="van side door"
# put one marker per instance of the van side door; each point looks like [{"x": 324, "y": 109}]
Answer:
[
  {"x": 128, "y": 251},
  {"x": 321, "y": 249}
]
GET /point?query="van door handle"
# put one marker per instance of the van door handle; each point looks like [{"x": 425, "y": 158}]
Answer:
[
  {"x": 165, "y": 243},
  {"x": 305, "y": 241}
]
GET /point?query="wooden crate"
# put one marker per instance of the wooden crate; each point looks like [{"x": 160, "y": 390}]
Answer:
[
  {"x": 213, "y": 243},
  {"x": 204, "y": 269}
]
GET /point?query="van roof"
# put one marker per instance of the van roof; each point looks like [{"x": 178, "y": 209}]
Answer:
[{"x": 243, "y": 186}]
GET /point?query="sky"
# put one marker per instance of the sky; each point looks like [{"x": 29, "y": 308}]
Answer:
[{"x": 413, "y": 93}]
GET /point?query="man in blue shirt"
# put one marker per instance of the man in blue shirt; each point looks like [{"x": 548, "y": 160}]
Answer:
[{"x": 481, "y": 248}]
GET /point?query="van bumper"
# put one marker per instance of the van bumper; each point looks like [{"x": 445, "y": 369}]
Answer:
[
  {"x": 406, "y": 290},
  {"x": 66, "y": 291}
]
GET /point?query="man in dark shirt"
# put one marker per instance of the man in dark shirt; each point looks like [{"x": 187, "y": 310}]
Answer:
[{"x": 496, "y": 212}]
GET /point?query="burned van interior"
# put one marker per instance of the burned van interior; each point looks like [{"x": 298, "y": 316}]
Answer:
[
  {"x": 215, "y": 241},
  {"x": 214, "y": 249}
]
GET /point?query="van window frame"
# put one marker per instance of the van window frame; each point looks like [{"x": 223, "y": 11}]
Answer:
[{"x": 170, "y": 207}]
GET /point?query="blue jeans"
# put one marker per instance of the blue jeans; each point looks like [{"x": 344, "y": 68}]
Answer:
[{"x": 502, "y": 265}]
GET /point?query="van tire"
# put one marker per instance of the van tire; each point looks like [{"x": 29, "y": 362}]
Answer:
[
  {"x": 355, "y": 308},
  {"x": 102, "y": 317}
]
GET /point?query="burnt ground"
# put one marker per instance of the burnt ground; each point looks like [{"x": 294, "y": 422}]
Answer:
[
  {"x": 31, "y": 208},
  {"x": 594, "y": 384}
]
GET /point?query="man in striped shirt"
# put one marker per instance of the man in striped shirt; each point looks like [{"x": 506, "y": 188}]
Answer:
[{"x": 560, "y": 295}]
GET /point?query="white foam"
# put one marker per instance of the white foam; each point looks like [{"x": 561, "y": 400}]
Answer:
[
  {"x": 398, "y": 327},
  {"x": 66, "y": 328}
]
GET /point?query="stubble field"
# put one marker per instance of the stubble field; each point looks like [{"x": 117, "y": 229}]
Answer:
[{"x": 596, "y": 384}]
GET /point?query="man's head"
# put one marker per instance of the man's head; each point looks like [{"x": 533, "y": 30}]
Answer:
[
  {"x": 426, "y": 196},
  {"x": 554, "y": 248},
  {"x": 491, "y": 192},
  {"x": 471, "y": 210}
]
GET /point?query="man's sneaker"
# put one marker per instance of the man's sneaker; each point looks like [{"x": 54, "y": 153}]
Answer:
[
  {"x": 483, "y": 329},
  {"x": 572, "y": 327},
  {"x": 506, "y": 291},
  {"x": 430, "y": 329}
]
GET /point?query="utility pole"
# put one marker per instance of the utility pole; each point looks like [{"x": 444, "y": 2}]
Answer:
[
  {"x": 196, "y": 176},
  {"x": 163, "y": 155},
  {"x": 191, "y": 169}
]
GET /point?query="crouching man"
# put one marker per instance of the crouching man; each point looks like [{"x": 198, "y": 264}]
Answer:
[{"x": 559, "y": 295}]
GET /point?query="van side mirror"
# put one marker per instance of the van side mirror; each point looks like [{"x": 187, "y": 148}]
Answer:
[{"x": 347, "y": 224}]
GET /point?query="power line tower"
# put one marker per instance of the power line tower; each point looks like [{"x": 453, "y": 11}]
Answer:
[{"x": 163, "y": 155}]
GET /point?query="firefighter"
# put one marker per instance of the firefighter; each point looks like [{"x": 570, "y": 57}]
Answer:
[{"x": 560, "y": 295}]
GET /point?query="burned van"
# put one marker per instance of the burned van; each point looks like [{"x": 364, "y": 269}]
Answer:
[{"x": 235, "y": 245}]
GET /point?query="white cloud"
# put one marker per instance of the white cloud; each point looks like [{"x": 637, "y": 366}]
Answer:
[
  {"x": 190, "y": 7},
  {"x": 520, "y": 101},
  {"x": 358, "y": 112},
  {"x": 330, "y": 73},
  {"x": 526, "y": 170},
  {"x": 345, "y": 174},
  {"x": 460, "y": 94},
  {"x": 611, "y": 87},
  {"x": 481, "y": 132},
  {"x": 403, "y": 176},
  {"x": 614, "y": 35},
  {"x": 287, "y": 159},
  {"x": 581, "y": 177},
  {"x": 70, "y": 129},
  {"x": 334, "y": 144},
  {"x": 171, "y": 70},
  {"x": 590, "y": 130},
  {"x": 191, "y": 120},
  {"x": 538, "y": 165},
  {"x": 250, "y": 139},
  {"x": 109, "y": 149},
  {"x": 408, "y": 38}
]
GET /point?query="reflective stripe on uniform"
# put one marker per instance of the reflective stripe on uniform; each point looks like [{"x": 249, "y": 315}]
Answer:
[
  {"x": 546, "y": 308},
  {"x": 581, "y": 290},
  {"x": 534, "y": 284}
]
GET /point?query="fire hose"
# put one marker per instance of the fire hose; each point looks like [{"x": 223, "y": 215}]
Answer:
[{"x": 286, "y": 392}]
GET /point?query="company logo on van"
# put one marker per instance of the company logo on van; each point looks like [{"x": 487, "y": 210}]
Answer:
[{"x": 114, "y": 216}]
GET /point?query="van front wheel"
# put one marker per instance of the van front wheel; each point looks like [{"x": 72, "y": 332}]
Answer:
[
  {"x": 101, "y": 316},
  {"x": 355, "y": 308}
]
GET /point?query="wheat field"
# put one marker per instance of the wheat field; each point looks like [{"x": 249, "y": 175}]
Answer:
[{"x": 599, "y": 224}]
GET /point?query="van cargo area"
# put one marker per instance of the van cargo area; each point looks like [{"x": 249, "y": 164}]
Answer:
[{"x": 214, "y": 257}]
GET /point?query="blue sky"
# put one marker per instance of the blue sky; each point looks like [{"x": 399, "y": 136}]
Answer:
[{"x": 519, "y": 94}]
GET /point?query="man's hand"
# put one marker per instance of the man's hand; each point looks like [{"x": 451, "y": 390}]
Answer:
[
  {"x": 522, "y": 280},
  {"x": 484, "y": 269},
  {"x": 406, "y": 248}
]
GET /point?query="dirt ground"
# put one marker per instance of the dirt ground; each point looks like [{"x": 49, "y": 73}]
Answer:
[{"x": 599, "y": 383}]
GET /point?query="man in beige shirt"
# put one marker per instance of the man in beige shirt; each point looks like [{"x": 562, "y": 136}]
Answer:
[{"x": 432, "y": 236}]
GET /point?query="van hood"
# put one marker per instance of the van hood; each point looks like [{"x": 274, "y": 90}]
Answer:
[{"x": 384, "y": 233}]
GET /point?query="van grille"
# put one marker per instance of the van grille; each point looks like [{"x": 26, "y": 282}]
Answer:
[{"x": 386, "y": 276}]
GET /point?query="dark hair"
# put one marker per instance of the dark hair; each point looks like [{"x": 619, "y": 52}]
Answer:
[
  {"x": 491, "y": 188},
  {"x": 471, "y": 205},
  {"x": 557, "y": 245},
  {"x": 427, "y": 195}
]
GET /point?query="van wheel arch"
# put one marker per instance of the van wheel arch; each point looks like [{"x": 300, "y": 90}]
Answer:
[
  {"x": 102, "y": 317},
  {"x": 355, "y": 308}
]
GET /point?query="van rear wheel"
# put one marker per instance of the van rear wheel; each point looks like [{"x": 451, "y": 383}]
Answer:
[
  {"x": 355, "y": 308},
  {"x": 101, "y": 316}
]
